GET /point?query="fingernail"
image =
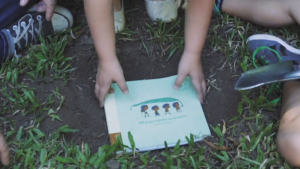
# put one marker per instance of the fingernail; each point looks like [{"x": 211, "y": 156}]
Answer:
[
  {"x": 175, "y": 87},
  {"x": 22, "y": 2},
  {"x": 126, "y": 92}
]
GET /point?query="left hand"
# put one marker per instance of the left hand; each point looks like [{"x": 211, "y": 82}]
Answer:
[
  {"x": 47, "y": 6},
  {"x": 190, "y": 64},
  {"x": 4, "y": 150}
]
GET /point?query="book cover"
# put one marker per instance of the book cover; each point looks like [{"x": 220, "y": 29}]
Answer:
[{"x": 154, "y": 112}]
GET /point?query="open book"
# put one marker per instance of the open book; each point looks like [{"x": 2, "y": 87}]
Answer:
[{"x": 153, "y": 112}]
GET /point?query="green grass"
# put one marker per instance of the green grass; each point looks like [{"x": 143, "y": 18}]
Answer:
[
  {"x": 256, "y": 149},
  {"x": 168, "y": 36},
  {"x": 246, "y": 141}
]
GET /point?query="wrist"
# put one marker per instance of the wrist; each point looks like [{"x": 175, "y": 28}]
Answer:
[
  {"x": 107, "y": 57},
  {"x": 106, "y": 53},
  {"x": 192, "y": 55},
  {"x": 107, "y": 61}
]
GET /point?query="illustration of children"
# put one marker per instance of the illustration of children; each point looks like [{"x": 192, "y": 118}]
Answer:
[
  {"x": 144, "y": 109},
  {"x": 176, "y": 106},
  {"x": 156, "y": 108},
  {"x": 166, "y": 107}
]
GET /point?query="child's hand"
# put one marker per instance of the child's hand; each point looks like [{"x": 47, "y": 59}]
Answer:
[
  {"x": 108, "y": 72},
  {"x": 43, "y": 6},
  {"x": 190, "y": 64},
  {"x": 4, "y": 151}
]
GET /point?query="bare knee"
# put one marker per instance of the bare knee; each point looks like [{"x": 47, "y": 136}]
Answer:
[
  {"x": 289, "y": 147},
  {"x": 288, "y": 135}
]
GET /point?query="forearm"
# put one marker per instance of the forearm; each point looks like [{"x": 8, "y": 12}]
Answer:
[
  {"x": 198, "y": 16},
  {"x": 99, "y": 15}
]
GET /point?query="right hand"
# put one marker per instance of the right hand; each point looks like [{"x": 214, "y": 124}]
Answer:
[
  {"x": 47, "y": 6},
  {"x": 4, "y": 150},
  {"x": 109, "y": 71}
]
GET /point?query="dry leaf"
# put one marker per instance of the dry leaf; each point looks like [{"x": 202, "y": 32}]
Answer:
[
  {"x": 82, "y": 148},
  {"x": 222, "y": 148},
  {"x": 235, "y": 143},
  {"x": 79, "y": 33},
  {"x": 224, "y": 128}
]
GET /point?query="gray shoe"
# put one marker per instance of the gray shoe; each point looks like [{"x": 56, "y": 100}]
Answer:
[{"x": 272, "y": 49}]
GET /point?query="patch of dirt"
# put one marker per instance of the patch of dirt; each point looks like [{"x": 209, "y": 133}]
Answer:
[{"x": 81, "y": 108}]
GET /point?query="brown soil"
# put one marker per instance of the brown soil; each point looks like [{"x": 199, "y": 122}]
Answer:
[{"x": 81, "y": 109}]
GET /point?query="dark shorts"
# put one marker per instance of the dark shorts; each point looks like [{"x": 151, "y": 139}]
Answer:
[{"x": 10, "y": 10}]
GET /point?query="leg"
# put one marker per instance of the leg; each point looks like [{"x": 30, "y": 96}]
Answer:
[
  {"x": 270, "y": 13},
  {"x": 289, "y": 130},
  {"x": 7, "y": 45},
  {"x": 3, "y": 47},
  {"x": 117, "y": 5},
  {"x": 10, "y": 10}
]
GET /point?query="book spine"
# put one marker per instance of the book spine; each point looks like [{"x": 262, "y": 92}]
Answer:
[{"x": 112, "y": 118}]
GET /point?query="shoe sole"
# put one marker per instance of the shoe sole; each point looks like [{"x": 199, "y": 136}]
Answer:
[{"x": 273, "y": 38}]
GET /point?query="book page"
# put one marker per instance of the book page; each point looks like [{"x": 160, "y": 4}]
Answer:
[{"x": 154, "y": 112}]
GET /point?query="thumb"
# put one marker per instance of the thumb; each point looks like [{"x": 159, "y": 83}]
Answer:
[
  {"x": 46, "y": 7},
  {"x": 23, "y": 2},
  {"x": 50, "y": 11},
  {"x": 179, "y": 80},
  {"x": 41, "y": 7}
]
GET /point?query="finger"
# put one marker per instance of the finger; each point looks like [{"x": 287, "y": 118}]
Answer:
[
  {"x": 47, "y": 7},
  {"x": 50, "y": 5},
  {"x": 4, "y": 151},
  {"x": 97, "y": 91},
  {"x": 203, "y": 85},
  {"x": 23, "y": 2},
  {"x": 103, "y": 91},
  {"x": 41, "y": 7},
  {"x": 123, "y": 86},
  {"x": 198, "y": 88},
  {"x": 179, "y": 80}
]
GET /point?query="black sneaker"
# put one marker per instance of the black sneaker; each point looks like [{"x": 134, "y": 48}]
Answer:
[{"x": 28, "y": 29}]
